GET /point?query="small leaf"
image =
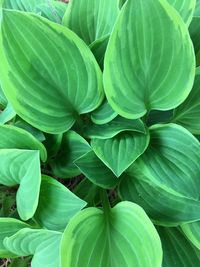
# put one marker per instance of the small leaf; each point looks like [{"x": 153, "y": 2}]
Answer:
[
  {"x": 146, "y": 61},
  {"x": 90, "y": 19},
  {"x": 192, "y": 232},
  {"x": 125, "y": 237},
  {"x": 73, "y": 146},
  {"x": 119, "y": 152},
  {"x": 94, "y": 169},
  {"x": 22, "y": 167},
  {"x": 41, "y": 243},
  {"x": 57, "y": 205},
  {"x": 7, "y": 114}
]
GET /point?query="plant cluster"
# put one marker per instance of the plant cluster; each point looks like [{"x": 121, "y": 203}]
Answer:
[{"x": 99, "y": 133}]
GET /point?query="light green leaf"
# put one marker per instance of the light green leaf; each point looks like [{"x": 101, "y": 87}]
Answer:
[
  {"x": 43, "y": 244},
  {"x": 177, "y": 250},
  {"x": 185, "y": 8},
  {"x": 57, "y": 205},
  {"x": 51, "y": 103},
  {"x": 188, "y": 114},
  {"x": 165, "y": 179},
  {"x": 143, "y": 88},
  {"x": 123, "y": 237},
  {"x": 192, "y": 232},
  {"x": 22, "y": 167},
  {"x": 14, "y": 137},
  {"x": 103, "y": 114},
  {"x": 7, "y": 114},
  {"x": 8, "y": 227},
  {"x": 94, "y": 169},
  {"x": 119, "y": 152},
  {"x": 23, "y": 5},
  {"x": 73, "y": 146},
  {"x": 197, "y": 9},
  {"x": 3, "y": 100},
  {"x": 90, "y": 19},
  {"x": 114, "y": 127}
]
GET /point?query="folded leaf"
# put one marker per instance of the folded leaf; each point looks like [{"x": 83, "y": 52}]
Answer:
[
  {"x": 192, "y": 232},
  {"x": 22, "y": 167},
  {"x": 146, "y": 59},
  {"x": 57, "y": 205},
  {"x": 125, "y": 237},
  {"x": 90, "y": 19},
  {"x": 43, "y": 244},
  {"x": 49, "y": 102}
]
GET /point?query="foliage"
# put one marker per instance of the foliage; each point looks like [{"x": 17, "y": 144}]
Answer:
[{"x": 99, "y": 133}]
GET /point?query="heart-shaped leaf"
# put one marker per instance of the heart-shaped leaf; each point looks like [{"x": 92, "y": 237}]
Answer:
[
  {"x": 49, "y": 102},
  {"x": 22, "y": 167},
  {"x": 146, "y": 61},
  {"x": 123, "y": 237}
]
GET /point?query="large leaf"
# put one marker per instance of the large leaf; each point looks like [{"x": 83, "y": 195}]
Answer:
[
  {"x": 192, "y": 232},
  {"x": 73, "y": 146},
  {"x": 94, "y": 169},
  {"x": 43, "y": 244},
  {"x": 165, "y": 179},
  {"x": 188, "y": 113},
  {"x": 90, "y": 19},
  {"x": 119, "y": 152},
  {"x": 14, "y": 137},
  {"x": 8, "y": 227},
  {"x": 185, "y": 8},
  {"x": 146, "y": 61},
  {"x": 177, "y": 250},
  {"x": 123, "y": 237},
  {"x": 49, "y": 102},
  {"x": 23, "y": 5},
  {"x": 22, "y": 167},
  {"x": 57, "y": 205},
  {"x": 114, "y": 127}
]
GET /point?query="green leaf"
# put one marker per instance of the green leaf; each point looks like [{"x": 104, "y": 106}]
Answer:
[
  {"x": 3, "y": 100},
  {"x": 194, "y": 34},
  {"x": 123, "y": 237},
  {"x": 165, "y": 179},
  {"x": 103, "y": 114},
  {"x": 155, "y": 55},
  {"x": 14, "y": 137},
  {"x": 90, "y": 19},
  {"x": 197, "y": 9},
  {"x": 22, "y": 167},
  {"x": 57, "y": 205},
  {"x": 43, "y": 244},
  {"x": 23, "y": 5},
  {"x": 73, "y": 146},
  {"x": 177, "y": 250},
  {"x": 53, "y": 143},
  {"x": 192, "y": 232},
  {"x": 9, "y": 227},
  {"x": 119, "y": 152},
  {"x": 20, "y": 262},
  {"x": 7, "y": 114},
  {"x": 188, "y": 113},
  {"x": 114, "y": 127},
  {"x": 185, "y": 8},
  {"x": 51, "y": 103},
  {"x": 121, "y": 3},
  {"x": 94, "y": 169}
]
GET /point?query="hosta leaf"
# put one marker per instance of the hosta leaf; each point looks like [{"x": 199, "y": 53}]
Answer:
[
  {"x": 73, "y": 146},
  {"x": 98, "y": 48},
  {"x": 90, "y": 19},
  {"x": 114, "y": 127},
  {"x": 119, "y": 152},
  {"x": 103, "y": 114},
  {"x": 194, "y": 34},
  {"x": 165, "y": 179},
  {"x": 22, "y": 167},
  {"x": 23, "y": 5},
  {"x": 177, "y": 250},
  {"x": 3, "y": 100},
  {"x": 43, "y": 244},
  {"x": 49, "y": 102},
  {"x": 14, "y": 137},
  {"x": 125, "y": 237},
  {"x": 192, "y": 232},
  {"x": 53, "y": 143},
  {"x": 9, "y": 227},
  {"x": 185, "y": 8},
  {"x": 94, "y": 169},
  {"x": 156, "y": 116},
  {"x": 197, "y": 9},
  {"x": 57, "y": 205},
  {"x": 188, "y": 113},
  {"x": 7, "y": 114},
  {"x": 121, "y": 3},
  {"x": 143, "y": 88}
]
